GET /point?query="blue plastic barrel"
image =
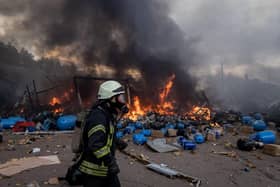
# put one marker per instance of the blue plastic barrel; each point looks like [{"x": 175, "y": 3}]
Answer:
[
  {"x": 180, "y": 125},
  {"x": 129, "y": 129},
  {"x": 199, "y": 138},
  {"x": 247, "y": 120},
  {"x": 132, "y": 124},
  {"x": 193, "y": 130},
  {"x": 66, "y": 122},
  {"x": 259, "y": 125},
  {"x": 170, "y": 126},
  {"x": 267, "y": 137},
  {"x": 119, "y": 125},
  {"x": 164, "y": 131},
  {"x": 146, "y": 132},
  {"x": 8, "y": 123},
  {"x": 119, "y": 134},
  {"x": 139, "y": 125},
  {"x": 258, "y": 116},
  {"x": 139, "y": 139},
  {"x": 180, "y": 139},
  {"x": 188, "y": 144}
]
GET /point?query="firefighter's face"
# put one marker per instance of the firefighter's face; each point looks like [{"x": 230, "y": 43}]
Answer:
[{"x": 119, "y": 102}]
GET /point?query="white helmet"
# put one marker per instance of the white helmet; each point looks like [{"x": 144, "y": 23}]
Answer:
[{"x": 109, "y": 89}]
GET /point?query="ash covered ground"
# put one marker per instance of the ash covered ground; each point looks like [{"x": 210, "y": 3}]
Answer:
[{"x": 246, "y": 169}]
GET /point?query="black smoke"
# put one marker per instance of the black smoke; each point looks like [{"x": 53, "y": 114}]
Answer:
[{"x": 121, "y": 34}]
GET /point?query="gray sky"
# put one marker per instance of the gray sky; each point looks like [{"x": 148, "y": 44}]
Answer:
[{"x": 243, "y": 34}]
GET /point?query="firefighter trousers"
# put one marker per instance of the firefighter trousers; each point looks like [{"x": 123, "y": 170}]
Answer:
[{"x": 92, "y": 181}]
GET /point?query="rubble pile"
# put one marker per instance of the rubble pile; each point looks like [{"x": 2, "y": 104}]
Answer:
[{"x": 192, "y": 129}]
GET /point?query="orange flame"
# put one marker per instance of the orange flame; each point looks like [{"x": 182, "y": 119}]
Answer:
[
  {"x": 54, "y": 101},
  {"x": 163, "y": 95},
  {"x": 136, "y": 109},
  {"x": 199, "y": 113},
  {"x": 164, "y": 106}
]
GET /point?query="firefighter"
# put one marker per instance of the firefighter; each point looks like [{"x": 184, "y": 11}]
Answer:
[{"x": 98, "y": 163}]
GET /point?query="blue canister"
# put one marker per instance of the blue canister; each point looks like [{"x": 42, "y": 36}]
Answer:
[
  {"x": 164, "y": 131},
  {"x": 199, "y": 138},
  {"x": 119, "y": 134},
  {"x": 258, "y": 116},
  {"x": 180, "y": 125},
  {"x": 259, "y": 125},
  {"x": 129, "y": 129},
  {"x": 247, "y": 120},
  {"x": 180, "y": 139},
  {"x": 139, "y": 125},
  {"x": 267, "y": 137},
  {"x": 188, "y": 144},
  {"x": 131, "y": 124},
  {"x": 170, "y": 126},
  {"x": 146, "y": 132},
  {"x": 193, "y": 130},
  {"x": 66, "y": 122},
  {"x": 8, "y": 123},
  {"x": 119, "y": 125},
  {"x": 139, "y": 139}
]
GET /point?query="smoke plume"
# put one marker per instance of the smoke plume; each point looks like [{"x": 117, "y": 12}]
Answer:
[{"x": 131, "y": 37}]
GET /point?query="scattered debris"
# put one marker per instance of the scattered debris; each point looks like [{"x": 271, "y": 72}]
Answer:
[
  {"x": 35, "y": 150},
  {"x": 272, "y": 149},
  {"x": 44, "y": 132},
  {"x": 157, "y": 134},
  {"x": 53, "y": 181},
  {"x": 164, "y": 169},
  {"x": 15, "y": 166},
  {"x": 172, "y": 132},
  {"x": 246, "y": 129},
  {"x": 229, "y": 154},
  {"x": 177, "y": 153},
  {"x": 10, "y": 147},
  {"x": 160, "y": 145},
  {"x": 33, "y": 184},
  {"x": 245, "y": 144}
]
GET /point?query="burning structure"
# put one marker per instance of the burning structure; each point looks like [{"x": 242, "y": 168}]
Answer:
[{"x": 115, "y": 39}]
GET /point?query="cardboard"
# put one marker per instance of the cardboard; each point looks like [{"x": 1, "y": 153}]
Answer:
[
  {"x": 272, "y": 149},
  {"x": 211, "y": 137},
  {"x": 157, "y": 134},
  {"x": 15, "y": 166},
  {"x": 172, "y": 132}
]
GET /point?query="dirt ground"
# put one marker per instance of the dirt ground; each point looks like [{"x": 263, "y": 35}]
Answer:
[{"x": 213, "y": 170}]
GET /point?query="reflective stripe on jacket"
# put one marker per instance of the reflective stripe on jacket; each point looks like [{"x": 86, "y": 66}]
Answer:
[{"x": 98, "y": 139}]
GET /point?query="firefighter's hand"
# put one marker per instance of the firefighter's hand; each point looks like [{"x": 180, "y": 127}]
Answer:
[
  {"x": 113, "y": 167},
  {"x": 122, "y": 145}
]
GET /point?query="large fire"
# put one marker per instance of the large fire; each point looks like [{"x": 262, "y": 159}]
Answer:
[
  {"x": 56, "y": 102},
  {"x": 165, "y": 105}
]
